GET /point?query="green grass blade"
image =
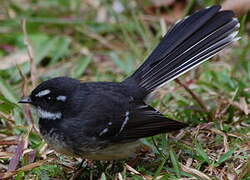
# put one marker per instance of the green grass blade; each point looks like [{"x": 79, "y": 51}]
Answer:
[
  {"x": 81, "y": 65},
  {"x": 201, "y": 152},
  {"x": 225, "y": 156},
  {"x": 175, "y": 164},
  {"x": 158, "y": 171}
]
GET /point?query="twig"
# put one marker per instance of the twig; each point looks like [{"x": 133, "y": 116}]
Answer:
[
  {"x": 29, "y": 117},
  {"x": 195, "y": 97},
  {"x": 24, "y": 80},
  {"x": 225, "y": 138},
  {"x": 9, "y": 118},
  {"x": 30, "y": 54},
  {"x": 27, "y": 110},
  {"x": 28, "y": 167}
]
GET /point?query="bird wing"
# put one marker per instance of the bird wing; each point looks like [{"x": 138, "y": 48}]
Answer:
[
  {"x": 111, "y": 114},
  {"x": 138, "y": 121}
]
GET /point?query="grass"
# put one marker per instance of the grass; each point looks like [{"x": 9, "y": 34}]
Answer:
[{"x": 104, "y": 41}]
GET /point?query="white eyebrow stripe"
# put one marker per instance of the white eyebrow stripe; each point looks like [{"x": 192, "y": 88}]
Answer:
[
  {"x": 43, "y": 93},
  {"x": 48, "y": 115},
  {"x": 61, "y": 98}
]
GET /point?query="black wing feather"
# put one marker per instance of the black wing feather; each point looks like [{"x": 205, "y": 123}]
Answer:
[
  {"x": 113, "y": 115},
  {"x": 144, "y": 121}
]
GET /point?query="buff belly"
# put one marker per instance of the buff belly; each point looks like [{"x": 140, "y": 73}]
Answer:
[
  {"x": 111, "y": 152},
  {"x": 114, "y": 152}
]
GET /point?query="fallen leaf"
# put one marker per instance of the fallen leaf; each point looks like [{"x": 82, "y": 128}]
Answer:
[
  {"x": 194, "y": 172},
  {"x": 6, "y": 154},
  {"x": 129, "y": 168},
  {"x": 18, "y": 154},
  {"x": 13, "y": 59}
]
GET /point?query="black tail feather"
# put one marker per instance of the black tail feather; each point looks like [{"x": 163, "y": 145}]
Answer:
[{"x": 190, "y": 42}]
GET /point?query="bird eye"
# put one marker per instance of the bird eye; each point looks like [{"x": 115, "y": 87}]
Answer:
[{"x": 49, "y": 98}]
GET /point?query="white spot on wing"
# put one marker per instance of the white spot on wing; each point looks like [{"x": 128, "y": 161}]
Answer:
[
  {"x": 110, "y": 123},
  {"x": 61, "y": 98},
  {"x": 103, "y": 131},
  {"x": 142, "y": 106},
  {"x": 125, "y": 121},
  {"x": 43, "y": 93},
  {"x": 48, "y": 115}
]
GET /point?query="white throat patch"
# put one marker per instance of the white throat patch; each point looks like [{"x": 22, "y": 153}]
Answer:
[{"x": 48, "y": 115}]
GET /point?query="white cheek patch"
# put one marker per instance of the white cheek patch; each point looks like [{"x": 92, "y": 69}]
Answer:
[
  {"x": 43, "y": 93},
  {"x": 48, "y": 115},
  {"x": 61, "y": 98}
]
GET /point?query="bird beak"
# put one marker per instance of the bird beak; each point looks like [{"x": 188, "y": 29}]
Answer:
[{"x": 25, "y": 100}]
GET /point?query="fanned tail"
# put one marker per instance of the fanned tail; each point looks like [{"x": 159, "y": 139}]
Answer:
[{"x": 187, "y": 44}]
